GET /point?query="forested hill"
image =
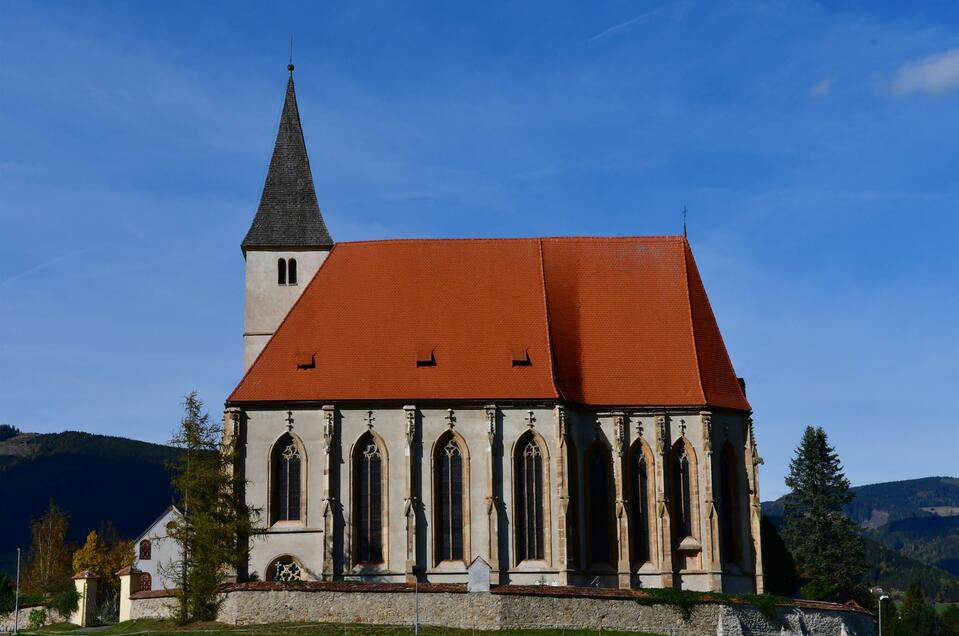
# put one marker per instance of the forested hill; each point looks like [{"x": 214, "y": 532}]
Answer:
[
  {"x": 94, "y": 478},
  {"x": 912, "y": 528}
]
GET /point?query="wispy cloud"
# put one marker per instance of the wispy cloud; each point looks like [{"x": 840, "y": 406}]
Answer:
[
  {"x": 44, "y": 265},
  {"x": 622, "y": 26},
  {"x": 934, "y": 75},
  {"x": 821, "y": 88}
]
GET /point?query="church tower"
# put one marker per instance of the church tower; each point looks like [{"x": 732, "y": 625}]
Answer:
[{"x": 288, "y": 240}]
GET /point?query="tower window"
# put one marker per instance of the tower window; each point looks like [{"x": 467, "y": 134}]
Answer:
[
  {"x": 291, "y": 272},
  {"x": 281, "y": 271}
]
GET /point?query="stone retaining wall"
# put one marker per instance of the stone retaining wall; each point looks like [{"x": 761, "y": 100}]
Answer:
[
  {"x": 7, "y": 619},
  {"x": 450, "y": 606}
]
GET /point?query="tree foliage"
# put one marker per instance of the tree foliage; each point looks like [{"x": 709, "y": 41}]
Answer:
[
  {"x": 7, "y": 431},
  {"x": 213, "y": 531},
  {"x": 104, "y": 554},
  {"x": 49, "y": 563},
  {"x": 826, "y": 545}
]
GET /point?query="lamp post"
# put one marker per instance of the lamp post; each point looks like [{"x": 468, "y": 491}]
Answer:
[{"x": 882, "y": 598}]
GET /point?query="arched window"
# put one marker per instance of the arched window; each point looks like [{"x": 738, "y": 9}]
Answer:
[
  {"x": 640, "y": 495},
  {"x": 368, "y": 480},
  {"x": 730, "y": 518},
  {"x": 683, "y": 490},
  {"x": 285, "y": 480},
  {"x": 291, "y": 271},
  {"x": 285, "y": 568},
  {"x": 572, "y": 508},
  {"x": 448, "y": 494},
  {"x": 146, "y": 582},
  {"x": 146, "y": 550},
  {"x": 529, "y": 492},
  {"x": 281, "y": 271},
  {"x": 599, "y": 505}
]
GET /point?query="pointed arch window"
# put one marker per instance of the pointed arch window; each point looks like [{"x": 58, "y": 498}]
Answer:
[
  {"x": 529, "y": 494},
  {"x": 281, "y": 271},
  {"x": 640, "y": 514},
  {"x": 682, "y": 491},
  {"x": 599, "y": 505},
  {"x": 291, "y": 271},
  {"x": 448, "y": 496},
  {"x": 286, "y": 480},
  {"x": 572, "y": 515},
  {"x": 146, "y": 550},
  {"x": 368, "y": 489},
  {"x": 730, "y": 518}
]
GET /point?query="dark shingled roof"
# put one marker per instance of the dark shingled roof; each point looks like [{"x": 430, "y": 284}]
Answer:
[{"x": 289, "y": 215}]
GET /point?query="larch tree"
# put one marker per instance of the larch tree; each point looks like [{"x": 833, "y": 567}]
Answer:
[
  {"x": 826, "y": 545},
  {"x": 214, "y": 530}
]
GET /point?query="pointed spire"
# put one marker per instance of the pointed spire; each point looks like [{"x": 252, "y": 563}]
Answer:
[{"x": 289, "y": 215}]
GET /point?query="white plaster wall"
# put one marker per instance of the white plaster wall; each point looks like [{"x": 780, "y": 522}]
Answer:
[
  {"x": 165, "y": 553},
  {"x": 267, "y": 303}
]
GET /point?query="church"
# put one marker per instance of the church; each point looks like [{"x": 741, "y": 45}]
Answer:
[{"x": 562, "y": 408}]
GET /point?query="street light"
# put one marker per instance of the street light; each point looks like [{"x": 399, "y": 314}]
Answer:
[{"x": 882, "y": 598}]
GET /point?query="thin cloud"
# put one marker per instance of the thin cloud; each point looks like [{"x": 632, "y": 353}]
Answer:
[
  {"x": 616, "y": 28},
  {"x": 934, "y": 75},
  {"x": 44, "y": 265},
  {"x": 821, "y": 88}
]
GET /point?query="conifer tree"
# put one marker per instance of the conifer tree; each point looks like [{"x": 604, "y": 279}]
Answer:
[
  {"x": 215, "y": 525},
  {"x": 826, "y": 545}
]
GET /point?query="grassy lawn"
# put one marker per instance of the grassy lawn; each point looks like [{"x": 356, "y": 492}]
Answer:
[{"x": 310, "y": 629}]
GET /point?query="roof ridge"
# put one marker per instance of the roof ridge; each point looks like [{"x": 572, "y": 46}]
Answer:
[
  {"x": 505, "y": 239},
  {"x": 549, "y": 328},
  {"x": 692, "y": 323}
]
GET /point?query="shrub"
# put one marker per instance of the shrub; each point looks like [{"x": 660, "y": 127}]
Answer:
[
  {"x": 65, "y": 602},
  {"x": 37, "y": 618}
]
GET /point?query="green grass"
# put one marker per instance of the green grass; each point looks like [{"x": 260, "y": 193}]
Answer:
[{"x": 312, "y": 629}]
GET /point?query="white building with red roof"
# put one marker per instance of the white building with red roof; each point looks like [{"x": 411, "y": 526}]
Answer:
[{"x": 564, "y": 408}]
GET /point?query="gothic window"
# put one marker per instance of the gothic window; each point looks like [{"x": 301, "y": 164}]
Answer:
[
  {"x": 599, "y": 505},
  {"x": 285, "y": 480},
  {"x": 529, "y": 493},
  {"x": 682, "y": 491},
  {"x": 640, "y": 514},
  {"x": 448, "y": 495},
  {"x": 281, "y": 271},
  {"x": 730, "y": 518},
  {"x": 146, "y": 549},
  {"x": 291, "y": 271},
  {"x": 285, "y": 568},
  {"x": 146, "y": 582},
  {"x": 368, "y": 478},
  {"x": 572, "y": 514}
]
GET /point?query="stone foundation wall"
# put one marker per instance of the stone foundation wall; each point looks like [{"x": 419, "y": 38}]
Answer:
[
  {"x": 151, "y": 605},
  {"x": 450, "y": 606},
  {"x": 7, "y": 619}
]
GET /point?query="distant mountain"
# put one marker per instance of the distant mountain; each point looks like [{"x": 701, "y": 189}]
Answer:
[
  {"x": 94, "y": 478},
  {"x": 912, "y": 531}
]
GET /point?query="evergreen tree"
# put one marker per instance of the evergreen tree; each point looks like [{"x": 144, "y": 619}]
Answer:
[
  {"x": 827, "y": 546},
  {"x": 214, "y": 528},
  {"x": 918, "y": 619}
]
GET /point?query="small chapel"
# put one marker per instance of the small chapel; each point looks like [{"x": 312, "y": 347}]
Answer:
[{"x": 562, "y": 408}]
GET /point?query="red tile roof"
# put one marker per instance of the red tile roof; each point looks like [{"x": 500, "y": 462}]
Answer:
[{"x": 605, "y": 321}]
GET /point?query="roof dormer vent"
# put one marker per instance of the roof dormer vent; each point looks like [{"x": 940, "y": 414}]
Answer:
[
  {"x": 520, "y": 357},
  {"x": 425, "y": 357}
]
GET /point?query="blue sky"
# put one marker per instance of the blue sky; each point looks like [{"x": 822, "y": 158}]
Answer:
[{"x": 816, "y": 147}]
